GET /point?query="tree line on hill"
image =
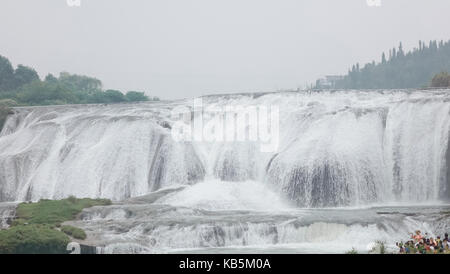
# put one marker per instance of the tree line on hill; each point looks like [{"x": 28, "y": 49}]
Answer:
[
  {"x": 424, "y": 66},
  {"x": 22, "y": 86}
]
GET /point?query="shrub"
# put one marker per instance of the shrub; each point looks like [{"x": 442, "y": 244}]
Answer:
[
  {"x": 135, "y": 96},
  {"x": 72, "y": 199},
  {"x": 75, "y": 232},
  {"x": 441, "y": 80},
  {"x": 8, "y": 103},
  {"x": 33, "y": 239},
  {"x": 114, "y": 96},
  {"x": 352, "y": 251}
]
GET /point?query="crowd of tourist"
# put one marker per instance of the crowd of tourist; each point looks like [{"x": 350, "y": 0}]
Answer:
[{"x": 423, "y": 244}]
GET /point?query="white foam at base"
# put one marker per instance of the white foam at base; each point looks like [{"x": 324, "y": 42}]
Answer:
[{"x": 214, "y": 194}]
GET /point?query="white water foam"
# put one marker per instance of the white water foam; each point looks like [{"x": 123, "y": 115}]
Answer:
[
  {"x": 213, "y": 194},
  {"x": 347, "y": 148}
]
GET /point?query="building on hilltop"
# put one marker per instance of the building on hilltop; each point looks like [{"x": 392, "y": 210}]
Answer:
[{"x": 329, "y": 82}]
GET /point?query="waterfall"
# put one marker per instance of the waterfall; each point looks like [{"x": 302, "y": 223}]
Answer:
[
  {"x": 344, "y": 148},
  {"x": 7, "y": 213}
]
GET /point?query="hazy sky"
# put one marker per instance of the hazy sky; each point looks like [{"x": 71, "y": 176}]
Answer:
[{"x": 185, "y": 48}]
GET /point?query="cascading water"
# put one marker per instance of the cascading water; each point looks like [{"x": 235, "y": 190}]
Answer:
[
  {"x": 7, "y": 212},
  {"x": 336, "y": 149}
]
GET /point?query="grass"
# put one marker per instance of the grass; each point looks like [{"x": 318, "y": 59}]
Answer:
[
  {"x": 34, "y": 229},
  {"x": 52, "y": 212}
]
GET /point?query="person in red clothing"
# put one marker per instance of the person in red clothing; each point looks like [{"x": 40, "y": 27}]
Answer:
[{"x": 418, "y": 237}]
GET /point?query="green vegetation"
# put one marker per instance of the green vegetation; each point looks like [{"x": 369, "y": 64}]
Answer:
[
  {"x": 75, "y": 232},
  {"x": 53, "y": 212},
  {"x": 24, "y": 86},
  {"x": 33, "y": 239},
  {"x": 413, "y": 69},
  {"x": 352, "y": 251},
  {"x": 135, "y": 96},
  {"x": 11, "y": 79},
  {"x": 8, "y": 103},
  {"x": 441, "y": 80},
  {"x": 34, "y": 229}
]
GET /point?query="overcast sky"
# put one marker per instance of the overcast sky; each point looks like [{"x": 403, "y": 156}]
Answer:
[{"x": 186, "y": 48}]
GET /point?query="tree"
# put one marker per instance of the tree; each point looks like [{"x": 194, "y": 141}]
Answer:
[
  {"x": 441, "y": 80},
  {"x": 400, "y": 50},
  {"x": 114, "y": 96},
  {"x": 80, "y": 82},
  {"x": 24, "y": 75},
  {"x": 413, "y": 69},
  {"x": 44, "y": 93},
  {"x": 383, "y": 58},
  {"x": 24, "y": 86},
  {"x": 135, "y": 96},
  {"x": 6, "y": 74},
  {"x": 50, "y": 78}
]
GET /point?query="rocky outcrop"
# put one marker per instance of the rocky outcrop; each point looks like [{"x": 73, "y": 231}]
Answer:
[{"x": 4, "y": 112}]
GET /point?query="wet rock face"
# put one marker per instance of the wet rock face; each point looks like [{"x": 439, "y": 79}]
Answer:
[
  {"x": 4, "y": 112},
  {"x": 319, "y": 187},
  {"x": 447, "y": 158}
]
